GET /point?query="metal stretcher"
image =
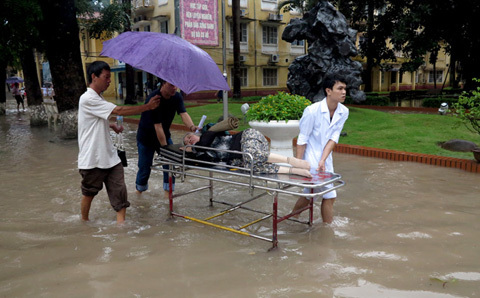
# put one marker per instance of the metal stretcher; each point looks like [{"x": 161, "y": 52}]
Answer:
[{"x": 182, "y": 164}]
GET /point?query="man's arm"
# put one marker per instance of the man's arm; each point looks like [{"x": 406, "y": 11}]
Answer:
[
  {"x": 301, "y": 150},
  {"x": 135, "y": 110},
  {"x": 160, "y": 134},
  {"x": 326, "y": 151},
  {"x": 187, "y": 120}
]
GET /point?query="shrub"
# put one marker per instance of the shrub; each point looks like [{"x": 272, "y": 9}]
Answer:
[
  {"x": 280, "y": 106},
  {"x": 468, "y": 109}
]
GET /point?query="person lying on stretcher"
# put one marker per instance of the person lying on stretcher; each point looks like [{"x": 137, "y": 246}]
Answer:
[{"x": 248, "y": 141}]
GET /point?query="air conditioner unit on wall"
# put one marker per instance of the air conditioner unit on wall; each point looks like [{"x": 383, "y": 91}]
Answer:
[
  {"x": 274, "y": 58},
  {"x": 242, "y": 58}
]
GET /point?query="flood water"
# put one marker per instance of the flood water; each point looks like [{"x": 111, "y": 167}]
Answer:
[{"x": 400, "y": 230}]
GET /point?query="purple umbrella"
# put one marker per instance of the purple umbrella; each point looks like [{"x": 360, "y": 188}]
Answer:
[
  {"x": 169, "y": 57},
  {"x": 12, "y": 80}
]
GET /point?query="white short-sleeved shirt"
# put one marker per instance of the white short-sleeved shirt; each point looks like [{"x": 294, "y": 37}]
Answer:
[
  {"x": 96, "y": 148},
  {"x": 316, "y": 130}
]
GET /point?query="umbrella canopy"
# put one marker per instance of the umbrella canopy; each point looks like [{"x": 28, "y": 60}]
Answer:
[
  {"x": 12, "y": 80},
  {"x": 169, "y": 57}
]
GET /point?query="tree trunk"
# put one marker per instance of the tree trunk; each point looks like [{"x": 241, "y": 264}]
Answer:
[
  {"x": 130, "y": 84},
  {"x": 3, "y": 77},
  {"x": 32, "y": 86},
  {"x": 130, "y": 96},
  {"x": 61, "y": 33},
  {"x": 38, "y": 116},
  {"x": 367, "y": 75},
  {"x": 453, "y": 77},
  {"x": 237, "y": 93}
]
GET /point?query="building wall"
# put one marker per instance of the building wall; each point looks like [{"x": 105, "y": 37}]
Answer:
[
  {"x": 255, "y": 55},
  {"x": 391, "y": 79}
]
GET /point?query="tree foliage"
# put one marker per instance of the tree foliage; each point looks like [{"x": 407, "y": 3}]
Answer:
[
  {"x": 467, "y": 109},
  {"x": 424, "y": 24},
  {"x": 19, "y": 37},
  {"x": 103, "y": 20},
  {"x": 300, "y": 5}
]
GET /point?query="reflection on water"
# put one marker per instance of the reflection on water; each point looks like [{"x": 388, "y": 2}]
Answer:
[{"x": 400, "y": 230}]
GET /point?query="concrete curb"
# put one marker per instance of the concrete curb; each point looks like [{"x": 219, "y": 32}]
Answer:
[
  {"x": 435, "y": 160},
  {"x": 393, "y": 155}
]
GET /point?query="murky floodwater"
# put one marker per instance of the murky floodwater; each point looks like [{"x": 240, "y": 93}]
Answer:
[{"x": 400, "y": 230}]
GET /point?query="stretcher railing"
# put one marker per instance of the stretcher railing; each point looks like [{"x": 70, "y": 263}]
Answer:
[{"x": 182, "y": 165}]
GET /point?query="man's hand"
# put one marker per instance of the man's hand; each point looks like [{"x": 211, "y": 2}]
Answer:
[
  {"x": 154, "y": 102},
  {"x": 321, "y": 166},
  {"x": 117, "y": 129},
  {"x": 194, "y": 128}
]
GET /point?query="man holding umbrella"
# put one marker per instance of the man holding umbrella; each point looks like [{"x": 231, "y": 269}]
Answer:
[{"x": 154, "y": 131}]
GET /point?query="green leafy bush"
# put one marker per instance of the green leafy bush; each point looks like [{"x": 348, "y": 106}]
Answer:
[
  {"x": 467, "y": 109},
  {"x": 435, "y": 102},
  {"x": 280, "y": 106}
]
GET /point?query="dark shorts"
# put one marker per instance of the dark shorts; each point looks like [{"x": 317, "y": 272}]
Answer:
[
  {"x": 93, "y": 180},
  {"x": 19, "y": 99}
]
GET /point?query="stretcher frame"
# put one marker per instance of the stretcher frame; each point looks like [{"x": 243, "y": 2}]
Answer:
[{"x": 181, "y": 166}]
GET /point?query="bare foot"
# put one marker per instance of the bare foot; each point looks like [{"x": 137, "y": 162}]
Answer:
[
  {"x": 301, "y": 172},
  {"x": 299, "y": 163}
]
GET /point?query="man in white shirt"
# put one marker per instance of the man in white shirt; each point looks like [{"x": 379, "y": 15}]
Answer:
[
  {"x": 98, "y": 161},
  {"x": 320, "y": 128}
]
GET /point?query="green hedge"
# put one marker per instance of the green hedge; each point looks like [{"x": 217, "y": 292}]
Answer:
[
  {"x": 435, "y": 102},
  {"x": 371, "y": 100}
]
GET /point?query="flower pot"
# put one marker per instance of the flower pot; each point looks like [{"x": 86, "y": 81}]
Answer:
[
  {"x": 476, "y": 154},
  {"x": 280, "y": 133}
]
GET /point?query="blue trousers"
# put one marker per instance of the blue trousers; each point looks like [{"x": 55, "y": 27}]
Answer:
[{"x": 145, "y": 161}]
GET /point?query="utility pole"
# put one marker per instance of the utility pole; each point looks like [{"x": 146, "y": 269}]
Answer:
[
  {"x": 224, "y": 61},
  {"x": 236, "y": 48},
  {"x": 129, "y": 71}
]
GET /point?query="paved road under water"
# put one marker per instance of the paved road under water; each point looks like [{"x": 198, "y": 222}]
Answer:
[{"x": 400, "y": 230}]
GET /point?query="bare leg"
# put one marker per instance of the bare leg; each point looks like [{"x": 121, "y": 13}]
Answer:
[
  {"x": 294, "y": 162},
  {"x": 295, "y": 171},
  {"x": 327, "y": 210},
  {"x": 121, "y": 216},
  {"x": 302, "y": 202},
  {"x": 272, "y": 157},
  {"x": 85, "y": 206}
]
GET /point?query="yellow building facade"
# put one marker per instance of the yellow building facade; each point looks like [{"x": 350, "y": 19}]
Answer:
[{"x": 264, "y": 56}]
